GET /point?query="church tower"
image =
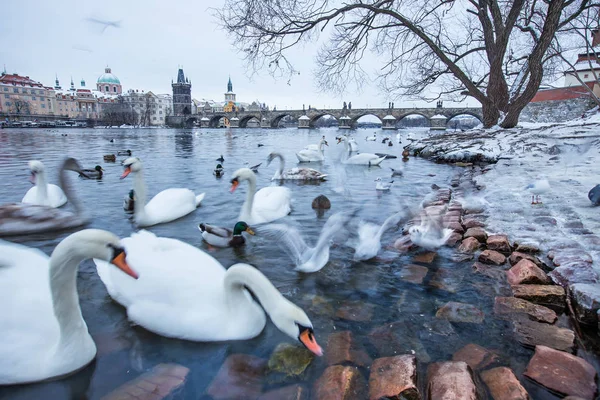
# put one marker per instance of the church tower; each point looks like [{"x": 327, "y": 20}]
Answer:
[
  {"x": 230, "y": 96},
  {"x": 182, "y": 95}
]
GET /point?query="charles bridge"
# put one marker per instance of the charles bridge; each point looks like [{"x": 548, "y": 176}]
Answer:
[{"x": 438, "y": 117}]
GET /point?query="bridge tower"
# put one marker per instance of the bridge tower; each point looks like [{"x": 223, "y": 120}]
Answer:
[{"x": 182, "y": 95}]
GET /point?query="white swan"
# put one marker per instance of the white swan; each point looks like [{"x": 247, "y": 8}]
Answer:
[
  {"x": 43, "y": 332},
  {"x": 429, "y": 234},
  {"x": 369, "y": 236},
  {"x": 166, "y": 206},
  {"x": 352, "y": 145},
  {"x": 311, "y": 155},
  {"x": 25, "y": 219},
  {"x": 304, "y": 174},
  {"x": 372, "y": 138},
  {"x": 266, "y": 205},
  {"x": 362, "y": 158},
  {"x": 314, "y": 146},
  {"x": 43, "y": 193},
  {"x": 185, "y": 293}
]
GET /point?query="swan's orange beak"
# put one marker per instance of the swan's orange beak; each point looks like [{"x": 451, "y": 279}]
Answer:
[
  {"x": 234, "y": 186},
  {"x": 126, "y": 172},
  {"x": 308, "y": 339},
  {"x": 119, "y": 262}
]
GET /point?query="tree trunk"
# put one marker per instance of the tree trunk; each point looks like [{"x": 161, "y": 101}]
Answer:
[{"x": 491, "y": 115}]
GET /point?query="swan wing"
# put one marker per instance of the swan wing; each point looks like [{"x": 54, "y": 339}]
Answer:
[
  {"x": 271, "y": 203},
  {"x": 290, "y": 240},
  {"x": 24, "y": 219},
  {"x": 391, "y": 221},
  {"x": 168, "y": 205}
]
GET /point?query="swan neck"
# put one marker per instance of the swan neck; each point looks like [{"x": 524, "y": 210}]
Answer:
[
  {"x": 248, "y": 204},
  {"x": 281, "y": 165},
  {"x": 66, "y": 187},
  {"x": 42, "y": 187},
  {"x": 139, "y": 188},
  {"x": 239, "y": 277}
]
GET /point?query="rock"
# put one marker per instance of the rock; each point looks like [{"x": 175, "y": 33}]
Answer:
[
  {"x": 545, "y": 221},
  {"x": 469, "y": 245},
  {"x": 292, "y": 392},
  {"x": 531, "y": 333},
  {"x": 454, "y": 238},
  {"x": 450, "y": 380},
  {"x": 342, "y": 348},
  {"x": 240, "y": 377},
  {"x": 503, "y": 384},
  {"x": 395, "y": 338},
  {"x": 513, "y": 305},
  {"x": 498, "y": 243},
  {"x": 446, "y": 279},
  {"x": 394, "y": 378},
  {"x": 475, "y": 356},
  {"x": 472, "y": 223},
  {"x": 517, "y": 256},
  {"x": 528, "y": 247},
  {"x": 413, "y": 273},
  {"x": 491, "y": 257},
  {"x": 586, "y": 298},
  {"x": 460, "y": 312},
  {"x": 574, "y": 273},
  {"x": 567, "y": 257},
  {"x": 355, "y": 311},
  {"x": 425, "y": 258},
  {"x": 477, "y": 233},
  {"x": 526, "y": 272},
  {"x": 489, "y": 271},
  {"x": 551, "y": 296},
  {"x": 455, "y": 226},
  {"x": 320, "y": 305},
  {"x": 340, "y": 382},
  {"x": 562, "y": 372},
  {"x": 288, "y": 362},
  {"x": 321, "y": 202},
  {"x": 160, "y": 382}
]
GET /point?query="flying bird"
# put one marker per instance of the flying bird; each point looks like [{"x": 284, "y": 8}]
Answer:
[
  {"x": 429, "y": 234},
  {"x": 369, "y": 236},
  {"x": 104, "y": 23}
]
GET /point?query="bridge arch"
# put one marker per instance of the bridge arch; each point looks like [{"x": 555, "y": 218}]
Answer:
[
  {"x": 354, "y": 120},
  {"x": 247, "y": 118},
  {"x": 472, "y": 114},
  {"x": 214, "y": 120},
  {"x": 189, "y": 122},
  {"x": 315, "y": 117},
  {"x": 277, "y": 119},
  {"x": 453, "y": 122}
]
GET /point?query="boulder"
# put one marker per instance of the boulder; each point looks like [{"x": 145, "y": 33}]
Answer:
[
  {"x": 498, "y": 243},
  {"x": 475, "y": 356},
  {"x": 491, "y": 257},
  {"x": 425, "y": 258},
  {"x": 531, "y": 333},
  {"x": 574, "y": 273},
  {"x": 562, "y": 372},
  {"x": 528, "y": 247},
  {"x": 340, "y": 382},
  {"x": 413, "y": 273},
  {"x": 469, "y": 245},
  {"x": 551, "y": 296},
  {"x": 450, "y": 380},
  {"x": 240, "y": 377},
  {"x": 454, "y": 238},
  {"x": 586, "y": 298},
  {"x": 292, "y": 392},
  {"x": 477, "y": 233},
  {"x": 513, "y": 305},
  {"x": 342, "y": 348},
  {"x": 489, "y": 271},
  {"x": 526, "y": 272},
  {"x": 288, "y": 362},
  {"x": 517, "y": 256},
  {"x": 460, "y": 312},
  {"x": 455, "y": 226},
  {"x": 472, "y": 223},
  {"x": 503, "y": 384},
  {"x": 394, "y": 378}
]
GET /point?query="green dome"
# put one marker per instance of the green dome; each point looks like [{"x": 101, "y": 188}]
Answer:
[{"x": 108, "y": 77}]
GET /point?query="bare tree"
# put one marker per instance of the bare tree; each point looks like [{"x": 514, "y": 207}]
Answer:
[
  {"x": 118, "y": 113},
  {"x": 495, "y": 51},
  {"x": 20, "y": 106}
]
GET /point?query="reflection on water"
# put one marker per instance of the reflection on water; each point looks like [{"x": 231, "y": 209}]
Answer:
[{"x": 186, "y": 158}]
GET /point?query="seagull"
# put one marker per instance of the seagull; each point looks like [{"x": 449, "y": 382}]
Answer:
[
  {"x": 429, "y": 234},
  {"x": 369, "y": 236},
  {"x": 383, "y": 185},
  {"x": 306, "y": 258},
  {"x": 594, "y": 195},
  {"x": 396, "y": 172},
  {"x": 106, "y": 24},
  {"x": 537, "y": 188}
]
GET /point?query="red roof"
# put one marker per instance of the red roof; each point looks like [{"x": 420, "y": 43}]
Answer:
[
  {"x": 564, "y": 93},
  {"x": 16, "y": 79}
]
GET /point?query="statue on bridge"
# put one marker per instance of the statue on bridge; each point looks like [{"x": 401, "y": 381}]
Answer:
[
  {"x": 350, "y": 106},
  {"x": 345, "y": 106}
]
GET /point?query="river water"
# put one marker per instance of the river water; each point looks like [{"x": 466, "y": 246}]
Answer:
[{"x": 186, "y": 158}]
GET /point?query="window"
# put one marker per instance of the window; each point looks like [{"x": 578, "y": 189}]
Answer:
[
  {"x": 586, "y": 75},
  {"x": 7, "y": 96},
  {"x": 7, "y": 103},
  {"x": 33, "y": 98},
  {"x": 43, "y": 106},
  {"x": 115, "y": 89},
  {"x": 106, "y": 89},
  {"x": 16, "y": 90},
  {"x": 6, "y": 89},
  {"x": 160, "y": 112}
]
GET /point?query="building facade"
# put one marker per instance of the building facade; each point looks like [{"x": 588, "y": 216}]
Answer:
[
  {"x": 182, "y": 95},
  {"x": 21, "y": 95},
  {"x": 108, "y": 83}
]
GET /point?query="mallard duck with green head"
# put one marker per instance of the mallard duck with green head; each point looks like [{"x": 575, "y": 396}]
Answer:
[
  {"x": 95, "y": 173},
  {"x": 223, "y": 237}
]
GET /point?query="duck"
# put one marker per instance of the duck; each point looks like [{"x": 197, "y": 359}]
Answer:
[
  {"x": 221, "y": 159},
  {"x": 45, "y": 335},
  {"x": 43, "y": 193},
  {"x": 124, "y": 152},
  {"x": 218, "y": 171},
  {"x": 362, "y": 158},
  {"x": 405, "y": 154},
  {"x": 166, "y": 206},
  {"x": 397, "y": 172},
  {"x": 312, "y": 155},
  {"x": 25, "y": 219},
  {"x": 266, "y": 205},
  {"x": 95, "y": 173},
  {"x": 129, "y": 201},
  {"x": 176, "y": 283},
  {"x": 303, "y": 174},
  {"x": 224, "y": 237},
  {"x": 381, "y": 185},
  {"x": 110, "y": 158}
]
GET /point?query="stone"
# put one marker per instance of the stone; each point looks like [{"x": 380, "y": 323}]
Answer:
[
  {"x": 469, "y": 245},
  {"x": 321, "y": 202},
  {"x": 292, "y": 392},
  {"x": 477, "y": 233},
  {"x": 531, "y": 333},
  {"x": 342, "y": 348},
  {"x": 240, "y": 377},
  {"x": 450, "y": 380},
  {"x": 513, "y": 305},
  {"x": 517, "y": 256},
  {"x": 566, "y": 257},
  {"x": 551, "y": 296},
  {"x": 562, "y": 372},
  {"x": 159, "y": 383},
  {"x": 491, "y": 257},
  {"x": 526, "y": 272},
  {"x": 425, "y": 258},
  {"x": 394, "y": 378},
  {"x": 320, "y": 305},
  {"x": 454, "y": 238},
  {"x": 460, "y": 312},
  {"x": 288, "y": 361},
  {"x": 574, "y": 273},
  {"x": 472, "y": 223},
  {"x": 586, "y": 298},
  {"x": 498, "y": 243},
  {"x": 395, "y": 338},
  {"x": 475, "y": 356},
  {"x": 446, "y": 279},
  {"x": 528, "y": 247},
  {"x": 545, "y": 221},
  {"x": 340, "y": 382},
  {"x": 489, "y": 271},
  {"x": 455, "y": 226},
  {"x": 503, "y": 384},
  {"x": 355, "y": 311},
  {"x": 413, "y": 273}
]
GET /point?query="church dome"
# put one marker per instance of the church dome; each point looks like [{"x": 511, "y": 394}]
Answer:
[{"x": 108, "y": 77}]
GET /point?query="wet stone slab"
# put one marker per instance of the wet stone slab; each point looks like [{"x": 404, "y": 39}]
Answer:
[
  {"x": 508, "y": 306},
  {"x": 447, "y": 279},
  {"x": 517, "y": 256},
  {"x": 526, "y": 272},
  {"x": 425, "y": 258},
  {"x": 460, "y": 312},
  {"x": 551, "y": 296},
  {"x": 450, "y": 380},
  {"x": 292, "y": 392},
  {"x": 357, "y": 311},
  {"x": 342, "y": 348},
  {"x": 413, "y": 273},
  {"x": 340, "y": 382},
  {"x": 503, "y": 384},
  {"x": 491, "y": 257},
  {"x": 240, "y": 377},
  {"x": 476, "y": 356},
  {"x": 160, "y": 382},
  {"x": 394, "y": 378},
  {"x": 498, "y": 243},
  {"x": 288, "y": 362},
  {"x": 531, "y": 333}
]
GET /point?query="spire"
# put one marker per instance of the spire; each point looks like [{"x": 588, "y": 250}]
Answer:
[
  {"x": 229, "y": 85},
  {"x": 72, "y": 84},
  {"x": 56, "y": 83},
  {"x": 180, "y": 76},
  {"x": 82, "y": 83}
]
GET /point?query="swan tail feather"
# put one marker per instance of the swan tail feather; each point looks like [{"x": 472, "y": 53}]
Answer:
[{"x": 199, "y": 199}]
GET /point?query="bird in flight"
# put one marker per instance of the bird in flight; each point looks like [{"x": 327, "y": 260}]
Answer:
[{"x": 105, "y": 23}]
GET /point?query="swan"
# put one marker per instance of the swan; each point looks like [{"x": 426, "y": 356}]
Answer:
[
  {"x": 25, "y": 219},
  {"x": 44, "y": 335},
  {"x": 353, "y": 146},
  {"x": 185, "y": 293},
  {"x": 304, "y": 174},
  {"x": 166, "y": 206},
  {"x": 372, "y": 138},
  {"x": 369, "y": 236},
  {"x": 309, "y": 155},
  {"x": 306, "y": 258},
  {"x": 314, "y": 146},
  {"x": 43, "y": 193},
  {"x": 362, "y": 158},
  {"x": 429, "y": 234},
  {"x": 266, "y": 205}
]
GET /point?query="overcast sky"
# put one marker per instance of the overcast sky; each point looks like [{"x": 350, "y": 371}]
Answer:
[{"x": 42, "y": 38}]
